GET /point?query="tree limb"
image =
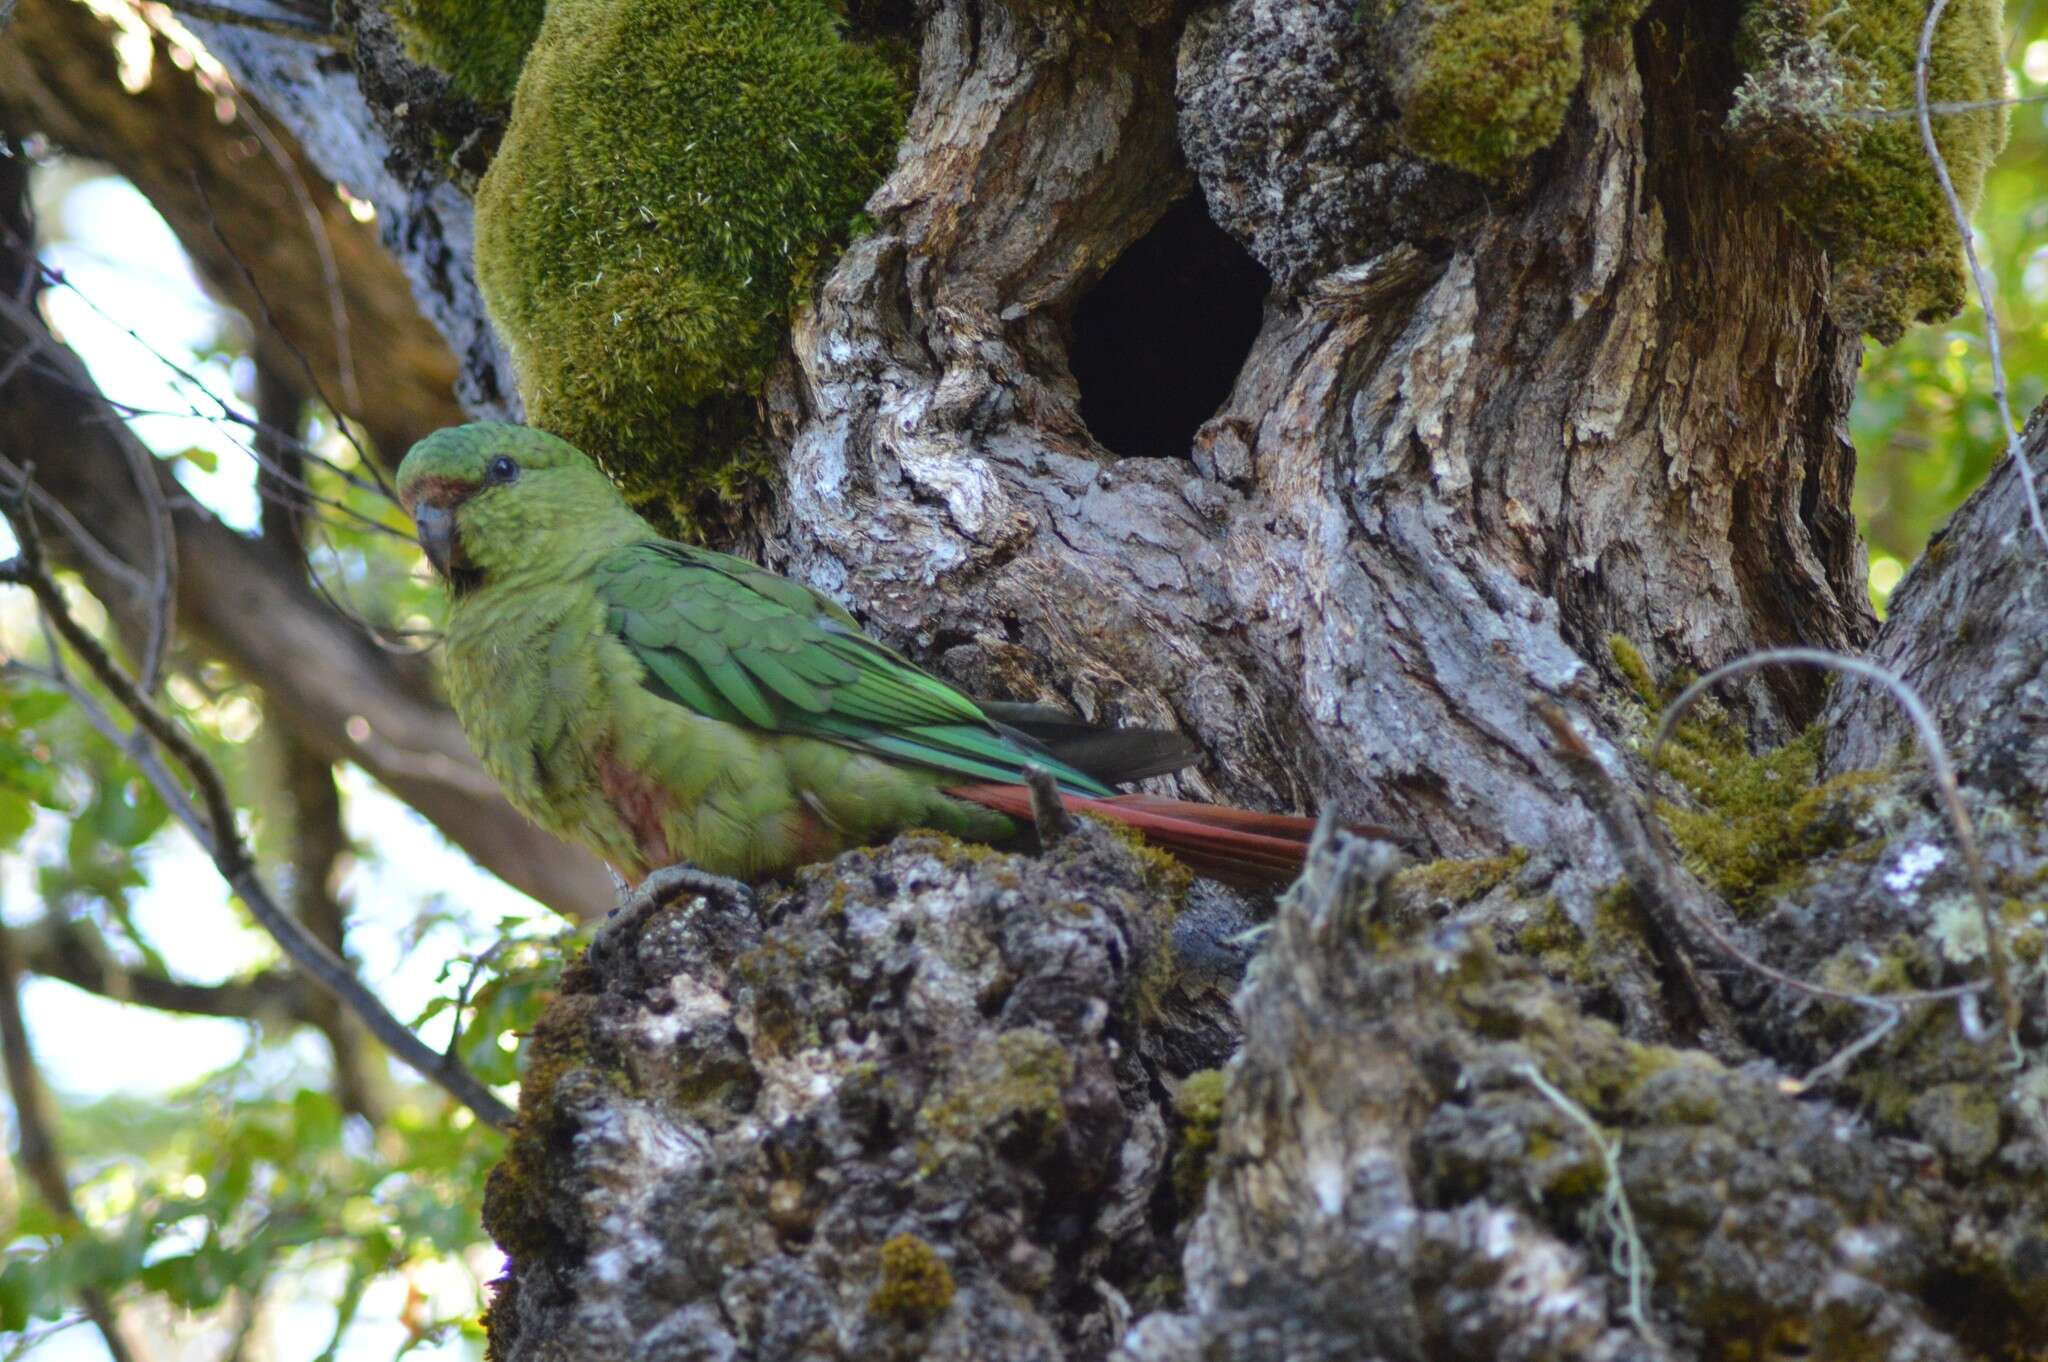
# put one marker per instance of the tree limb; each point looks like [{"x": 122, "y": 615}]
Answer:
[
  {"x": 222, "y": 840},
  {"x": 58, "y": 950},
  {"x": 239, "y": 219},
  {"x": 279, "y": 25},
  {"x": 335, "y": 690}
]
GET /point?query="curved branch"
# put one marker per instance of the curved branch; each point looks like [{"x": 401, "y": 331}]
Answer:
[
  {"x": 58, "y": 951},
  {"x": 223, "y": 842}
]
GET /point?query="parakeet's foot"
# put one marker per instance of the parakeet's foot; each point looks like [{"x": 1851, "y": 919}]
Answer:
[{"x": 656, "y": 892}]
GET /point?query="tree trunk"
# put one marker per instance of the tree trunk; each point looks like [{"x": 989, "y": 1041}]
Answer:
[{"x": 1169, "y": 386}]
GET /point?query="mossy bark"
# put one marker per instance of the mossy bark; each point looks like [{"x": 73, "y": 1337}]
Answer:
[{"x": 930, "y": 1102}]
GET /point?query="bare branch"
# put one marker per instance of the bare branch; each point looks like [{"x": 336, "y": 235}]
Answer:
[
  {"x": 58, "y": 950},
  {"x": 223, "y": 842},
  {"x": 281, "y": 26}
]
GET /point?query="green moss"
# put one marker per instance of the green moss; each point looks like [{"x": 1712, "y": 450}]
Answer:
[
  {"x": 1199, "y": 1105},
  {"x": 1609, "y": 18},
  {"x": 1457, "y": 882},
  {"x": 1759, "y": 817},
  {"x": 1861, "y": 186},
  {"x": 1550, "y": 938},
  {"x": 1635, "y": 671},
  {"x": 1491, "y": 84},
  {"x": 1484, "y": 84},
  {"x": 480, "y": 44},
  {"x": 916, "y": 1285},
  {"x": 675, "y": 174}
]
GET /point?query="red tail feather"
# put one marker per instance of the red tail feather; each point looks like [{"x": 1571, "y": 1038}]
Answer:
[{"x": 1237, "y": 846}]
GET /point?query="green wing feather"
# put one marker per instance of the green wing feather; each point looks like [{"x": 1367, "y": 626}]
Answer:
[{"x": 729, "y": 640}]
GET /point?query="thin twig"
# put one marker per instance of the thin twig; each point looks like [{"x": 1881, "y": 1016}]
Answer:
[
  {"x": 462, "y": 995},
  {"x": 1887, "y": 1022},
  {"x": 1634, "y": 1259},
  {"x": 1977, "y": 277},
  {"x": 1938, "y": 763},
  {"x": 330, "y": 271},
  {"x": 102, "y": 559},
  {"x": 57, "y": 278},
  {"x": 218, "y": 834},
  {"x": 158, "y": 622},
  {"x": 1650, "y": 875},
  {"x": 337, "y": 300},
  {"x": 212, "y": 11}
]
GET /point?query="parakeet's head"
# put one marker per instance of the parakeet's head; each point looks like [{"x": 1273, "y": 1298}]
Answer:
[{"x": 491, "y": 497}]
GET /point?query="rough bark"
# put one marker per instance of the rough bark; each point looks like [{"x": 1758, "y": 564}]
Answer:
[
  {"x": 1610, "y": 403},
  {"x": 903, "y": 1111},
  {"x": 1964, "y": 629}
]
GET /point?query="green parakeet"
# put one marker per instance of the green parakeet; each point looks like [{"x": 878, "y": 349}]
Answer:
[{"x": 660, "y": 703}]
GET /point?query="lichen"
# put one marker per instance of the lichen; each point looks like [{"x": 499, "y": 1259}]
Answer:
[
  {"x": 1006, "y": 1094},
  {"x": 916, "y": 1285},
  {"x": 674, "y": 175},
  {"x": 479, "y": 44},
  {"x": 1484, "y": 84},
  {"x": 1817, "y": 117}
]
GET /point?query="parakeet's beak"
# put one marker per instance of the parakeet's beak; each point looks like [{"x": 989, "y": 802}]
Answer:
[{"x": 437, "y": 536}]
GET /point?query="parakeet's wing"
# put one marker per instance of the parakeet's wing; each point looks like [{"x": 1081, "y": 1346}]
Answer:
[{"x": 734, "y": 642}]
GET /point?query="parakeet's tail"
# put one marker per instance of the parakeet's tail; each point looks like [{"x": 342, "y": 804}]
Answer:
[{"x": 1236, "y": 846}]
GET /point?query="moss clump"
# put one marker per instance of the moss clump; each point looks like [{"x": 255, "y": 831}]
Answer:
[
  {"x": 916, "y": 1285},
  {"x": 1484, "y": 84},
  {"x": 1199, "y": 1105},
  {"x": 479, "y": 44},
  {"x": 1817, "y": 71},
  {"x": 1757, "y": 818},
  {"x": 1760, "y": 817},
  {"x": 1629, "y": 660},
  {"x": 675, "y": 173}
]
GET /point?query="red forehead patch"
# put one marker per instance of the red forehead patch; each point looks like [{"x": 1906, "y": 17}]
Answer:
[{"x": 438, "y": 489}]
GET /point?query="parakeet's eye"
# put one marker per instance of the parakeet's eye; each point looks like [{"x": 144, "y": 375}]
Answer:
[{"x": 502, "y": 469}]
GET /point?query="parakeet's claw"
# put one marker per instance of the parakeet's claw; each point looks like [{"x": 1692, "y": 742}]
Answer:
[{"x": 656, "y": 892}]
